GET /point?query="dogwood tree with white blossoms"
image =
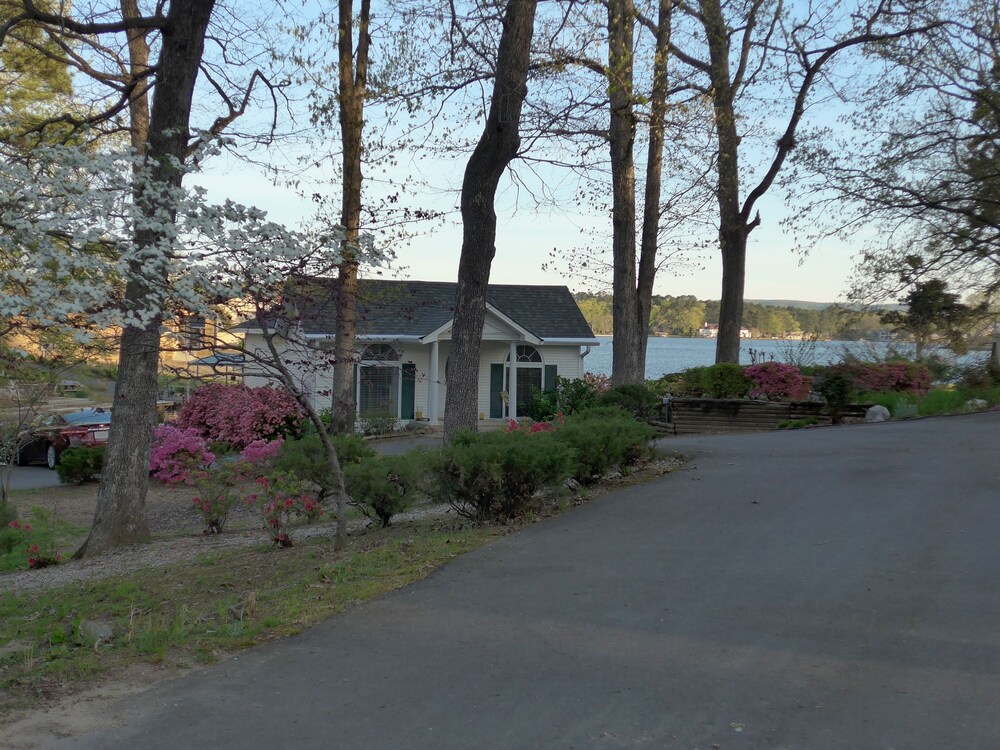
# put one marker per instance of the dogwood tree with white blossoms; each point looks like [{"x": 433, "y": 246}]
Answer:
[
  {"x": 68, "y": 223},
  {"x": 91, "y": 240}
]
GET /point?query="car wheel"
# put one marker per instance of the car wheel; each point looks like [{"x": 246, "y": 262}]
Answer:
[{"x": 51, "y": 456}]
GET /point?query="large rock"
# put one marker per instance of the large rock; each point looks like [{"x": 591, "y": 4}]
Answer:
[
  {"x": 877, "y": 413},
  {"x": 94, "y": 633}
]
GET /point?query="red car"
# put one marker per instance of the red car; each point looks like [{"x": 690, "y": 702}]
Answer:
[{"x": 49, "y": 434}]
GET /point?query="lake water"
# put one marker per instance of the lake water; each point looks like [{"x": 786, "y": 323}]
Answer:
[{"x": 674, "y": 354}]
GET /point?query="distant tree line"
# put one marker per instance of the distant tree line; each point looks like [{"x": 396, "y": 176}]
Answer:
[{"x": 683, "y": 315}]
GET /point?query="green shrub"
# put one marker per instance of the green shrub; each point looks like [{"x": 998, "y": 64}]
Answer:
[
  {"x": 895, "y": 402},
  {"x": 725, "y": 380},
  {"x": 377, "y": 423},
  {"x": 942, "y": 401},
  {"x": 989, "y": 394},
  {"x": 80, "y": 464},
  {"x": 981, "y": 375},
  {"x": 837, "y": 387},
  {"x": 692, "y": 382},
  {"x": 571, "y": 396},
  {"x": 639, "y": 400},
  {"x": 219, "y": 448},
  {"x": 495, "y": 476},
  {"x": 385, "y": 485},
  {"x": 669, "y": 384},
  {"x": 306, "y": 459},
  {"x": 604, "y": 439}
]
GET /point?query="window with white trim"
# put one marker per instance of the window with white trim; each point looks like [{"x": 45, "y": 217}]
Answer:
[
  {"x": 379, "y": 381},
  {"x": 530, "y": 372}
]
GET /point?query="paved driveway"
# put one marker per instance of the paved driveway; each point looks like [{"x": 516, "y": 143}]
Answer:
[
  {"x": 821, "y": 589},
  {"x": 30, "y": 477}
]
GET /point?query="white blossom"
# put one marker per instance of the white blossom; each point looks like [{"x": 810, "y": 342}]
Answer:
[{"x": 68, "y": 243}]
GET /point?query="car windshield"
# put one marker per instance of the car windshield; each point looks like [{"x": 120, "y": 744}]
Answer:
[
  {"x": 89, "y": 417},
  {"x": 47, "y": 420}
]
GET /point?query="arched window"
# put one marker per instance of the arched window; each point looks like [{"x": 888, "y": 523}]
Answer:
[
  {"x": 380, "y": 353},
  {"x": 527, "y": 355},
  {"x": 529, "y": 379}
]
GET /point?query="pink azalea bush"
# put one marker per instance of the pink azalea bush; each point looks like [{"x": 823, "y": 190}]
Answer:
[
  {"x": 280, "y": 498},
  {"x": 177, "y": 453},
  {"x": 219, "y": 487},
  {"x": 881, "y": 377},
  {"x": 773, "y": 380},
  {"x": 262, "y": 452},
  {"x": 240, "y": 415},
  {"x": 531, "y": 427},
  {"x": 218, "y": 490}
]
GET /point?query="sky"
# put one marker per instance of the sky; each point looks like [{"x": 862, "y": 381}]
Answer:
[{"x": 526, "y": 237}]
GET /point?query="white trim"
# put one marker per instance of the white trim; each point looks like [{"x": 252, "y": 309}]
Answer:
[
  {"x": 433, "y": 336},
  {"x": 528, "y": 335},
  {"x": 377, "y": 338},
  {"x": 432, "y": 383},
  {"x": 510, "y": 368},
  {"x": 578, "y": 342},
  {"x": 396, "y": 364}
]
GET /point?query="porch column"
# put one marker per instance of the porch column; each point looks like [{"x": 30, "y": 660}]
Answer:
[
  {"x": 432, "y": 387},
  {"x": 512, "y": 385}
]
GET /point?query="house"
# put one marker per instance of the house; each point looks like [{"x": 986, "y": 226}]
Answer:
[
  {"x": 191, "y": 345},
  {"x": 531, "y": 334},
  {"x": 711, "y": 331}
]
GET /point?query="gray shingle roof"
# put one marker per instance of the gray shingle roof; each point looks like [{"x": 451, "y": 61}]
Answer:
[{"x": 416, "y": 308}]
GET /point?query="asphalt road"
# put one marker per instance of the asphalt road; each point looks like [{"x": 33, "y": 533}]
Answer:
[
  {"x": 31, "y": 477},
  {"x": 822, "y": 589}
]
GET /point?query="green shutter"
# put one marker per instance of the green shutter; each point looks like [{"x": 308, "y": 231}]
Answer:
[
  {"x": 550, "y": 378},
  {"x": 496, "y": 386},
  {"x": 406, "y": 406}
]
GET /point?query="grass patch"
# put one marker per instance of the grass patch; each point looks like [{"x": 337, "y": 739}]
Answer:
[
  {"x": 936, "y": 402},
  {"x": 941, "y": 401},
  {"x": 197, "y": 611},
  {"x": 52, "y": 536}
]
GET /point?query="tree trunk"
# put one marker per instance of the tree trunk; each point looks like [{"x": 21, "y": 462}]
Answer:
[
  {"x": 649, "y": 245},
  {"x": 340, "y": 497},
  {"x": 351, "y": 95},
  {"x": 496, "y": 149},
  {"x": 734, "y": 258},
  {"x": 138, "y": 100},
  {"x": 120, "y": 517},
  {"x": 732, "y": 225},
  {"x": 626, "y": 360}
]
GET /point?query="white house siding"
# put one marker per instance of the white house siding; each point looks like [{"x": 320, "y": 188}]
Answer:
[
  {"x": 495, "y": 329},
  {"x": 565, "y": 358}
]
